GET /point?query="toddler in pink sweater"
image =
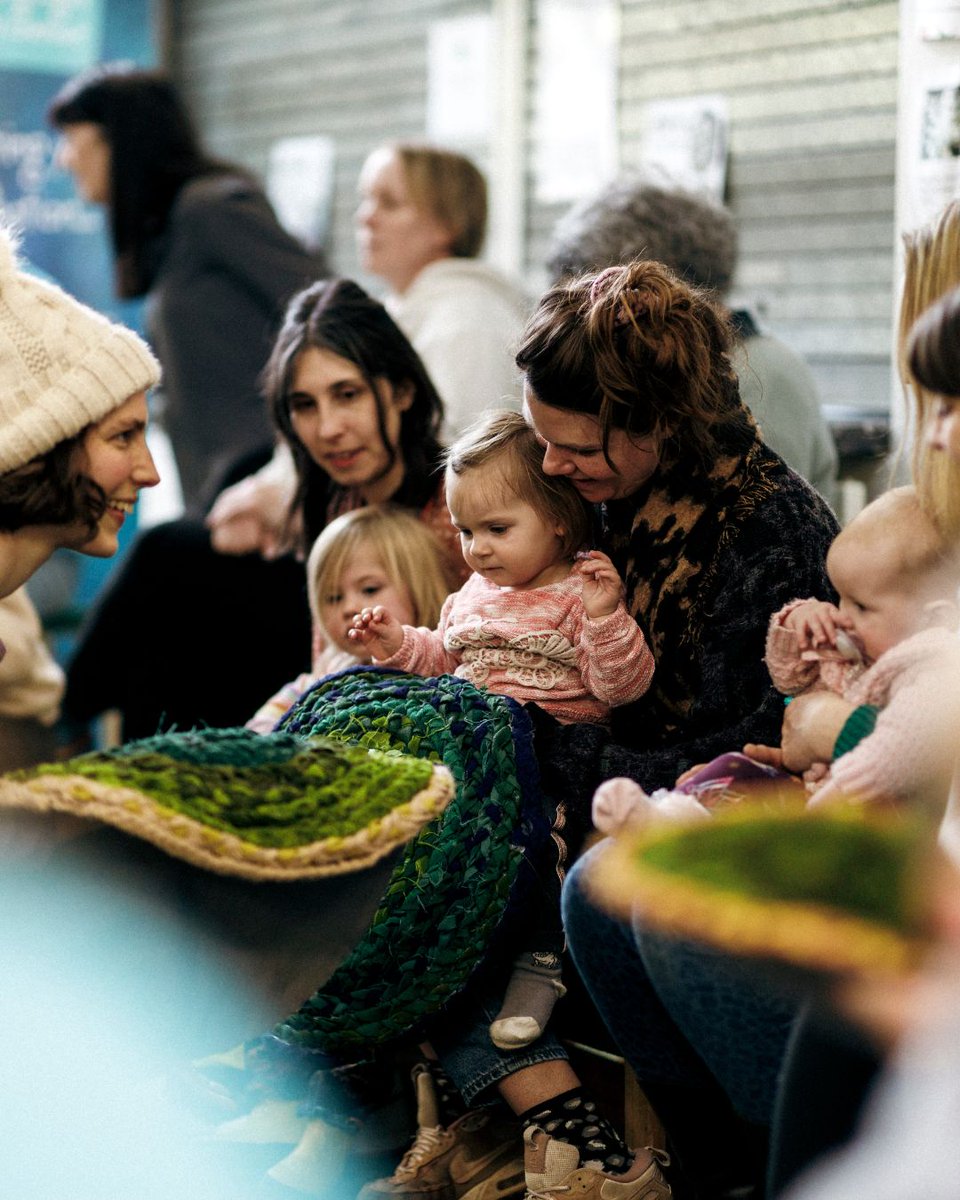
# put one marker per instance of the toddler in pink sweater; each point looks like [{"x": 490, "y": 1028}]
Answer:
[{"x": 536, "y": 621}]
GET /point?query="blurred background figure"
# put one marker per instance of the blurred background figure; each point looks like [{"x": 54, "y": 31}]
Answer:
[
  {"x": 197, "y": 237},
  {"x": 421, "y": 224},
  {"x": 632, "y": 218}
]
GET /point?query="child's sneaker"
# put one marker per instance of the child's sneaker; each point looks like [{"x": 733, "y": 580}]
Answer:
[
  {"x": 476, "y": 1157},
  {"x": 552, "y": 1170}
]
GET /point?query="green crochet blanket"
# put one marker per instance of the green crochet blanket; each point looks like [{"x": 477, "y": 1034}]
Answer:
[
  {"x": 369, "y": 760},
  {"x": 281, "y": 807},
  {"x": 459, "y": 880},
  {"x": 836, "y": 889}
]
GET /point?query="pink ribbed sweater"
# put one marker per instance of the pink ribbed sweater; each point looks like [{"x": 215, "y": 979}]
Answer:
[
  {"x": 915, "y": 685},
  {"x": 534, "y": 645}
]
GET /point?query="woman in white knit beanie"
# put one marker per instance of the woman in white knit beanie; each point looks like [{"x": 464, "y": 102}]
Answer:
[{"x": 73, "y": 416}]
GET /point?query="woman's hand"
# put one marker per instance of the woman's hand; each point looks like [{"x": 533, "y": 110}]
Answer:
[
  {"x": 602, "y": 586},
  {"x": 378, "y": 630},
  {"x": 811, "y": 726},
  {"x": 248, "y": 517}
]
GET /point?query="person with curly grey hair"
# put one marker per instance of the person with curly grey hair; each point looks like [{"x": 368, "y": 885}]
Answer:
[{"x": 633, "y": 218}]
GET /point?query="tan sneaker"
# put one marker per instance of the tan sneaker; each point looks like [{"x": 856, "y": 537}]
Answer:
[
  {"x": 477, "y": 1157},
  {"x": 553, "y": 1170}
]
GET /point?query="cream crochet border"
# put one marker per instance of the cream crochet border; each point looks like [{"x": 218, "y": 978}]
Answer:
[
  {"x": 225, "y": 853},
  {"x": 808, "y": 935}
]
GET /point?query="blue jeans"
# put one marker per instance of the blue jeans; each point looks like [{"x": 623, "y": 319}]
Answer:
[
  {"x": 681, "y": 1013},
  {"x": 461, "y": 1038}
]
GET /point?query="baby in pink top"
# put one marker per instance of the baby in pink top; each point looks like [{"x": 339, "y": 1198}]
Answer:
[
  {"x": 889, "y": 643},
  {"x": 531, "y": 622},
  {"x": 536, "y": 620}
]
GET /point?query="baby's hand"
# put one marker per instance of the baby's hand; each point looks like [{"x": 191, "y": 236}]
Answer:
[
  {"x": 815, "y": 774},
  {"x": 815, "y": 623},
  {"x": 771, "y": 756},
  {"x": 602, "y": 589},
  {"x": 378, "y": 630}
]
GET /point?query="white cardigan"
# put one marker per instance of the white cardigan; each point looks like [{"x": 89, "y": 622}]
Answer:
[{"x": 464, "y": 319}]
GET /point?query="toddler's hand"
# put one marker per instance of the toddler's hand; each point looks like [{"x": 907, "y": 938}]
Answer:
[
  {"x": 602, "y": 588},
  {"x": 815, "y": 623},
  {"x": 378, "y": 630}
]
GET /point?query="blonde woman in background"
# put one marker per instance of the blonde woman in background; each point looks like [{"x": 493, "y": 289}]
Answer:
[
  {"x": 421, "y": 225},
  {"x": 916, "y": 1102},
  {"x": 931, "y": 269},
  {"x": 815, "y": 725}
]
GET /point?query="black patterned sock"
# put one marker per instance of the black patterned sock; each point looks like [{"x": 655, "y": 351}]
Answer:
[
  {"x": 450, "y": 1104},
  {"x": 573, "y": 1117}
]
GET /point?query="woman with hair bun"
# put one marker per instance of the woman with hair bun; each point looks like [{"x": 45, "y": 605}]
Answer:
[{"x": 630, "y": 389}]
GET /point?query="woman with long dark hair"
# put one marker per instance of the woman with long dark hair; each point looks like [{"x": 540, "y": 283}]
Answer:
[
  {"x": 339, "y": 350},
  {"x": 351, "y": 400}
]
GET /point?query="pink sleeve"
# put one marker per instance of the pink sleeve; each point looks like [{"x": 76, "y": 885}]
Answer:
[
  {"x": 790, "y": 674},
  {"x": 908, "y": 757},
  {"x": 615, "y": 660},
  {"x": 422, "y": 651}
]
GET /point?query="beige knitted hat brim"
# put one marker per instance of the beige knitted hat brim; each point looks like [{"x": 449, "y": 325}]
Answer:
[{"x": 63, "y": 366}]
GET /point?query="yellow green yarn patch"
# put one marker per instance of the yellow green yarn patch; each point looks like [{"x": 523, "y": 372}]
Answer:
[
  {"x": 849, "y": 865},
  {"x": 278, "y": 792}
]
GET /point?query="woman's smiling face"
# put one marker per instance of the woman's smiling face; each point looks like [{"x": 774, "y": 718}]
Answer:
[
  {"x": 334, "y": 413},
  {"x": 115, "y": 455},
  {"x": 573, "y": 446}
]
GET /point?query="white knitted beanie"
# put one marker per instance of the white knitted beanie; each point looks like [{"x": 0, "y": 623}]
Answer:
[{"x": 62, "y": 365}]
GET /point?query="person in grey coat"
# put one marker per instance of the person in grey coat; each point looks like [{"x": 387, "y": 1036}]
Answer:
[{"x": 634, "y": 218}]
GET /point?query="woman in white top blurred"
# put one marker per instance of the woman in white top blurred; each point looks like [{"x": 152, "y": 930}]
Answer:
[{"x": 420, "y": 227}]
